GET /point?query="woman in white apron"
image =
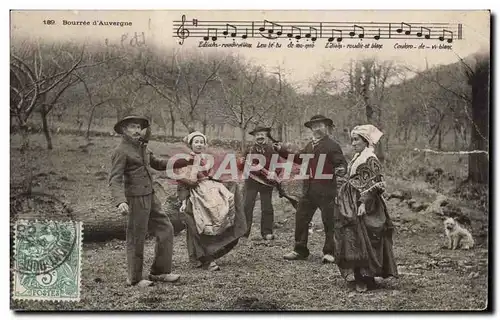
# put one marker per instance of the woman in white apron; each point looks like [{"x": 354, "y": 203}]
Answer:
[{"x": 213, "y": 210}]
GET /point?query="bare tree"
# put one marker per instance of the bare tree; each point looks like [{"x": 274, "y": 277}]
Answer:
[
  {"x": 40, "y": 75},
  {"x": 245, "y": 94},
  {"x": 368, "y": 81},
  {"x": 183, "y": 82}
]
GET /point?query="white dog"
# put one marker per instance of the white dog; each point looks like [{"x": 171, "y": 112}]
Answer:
[{"x": 457, "y": 235}]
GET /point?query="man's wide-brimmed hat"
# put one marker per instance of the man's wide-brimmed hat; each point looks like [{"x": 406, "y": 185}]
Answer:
[
  {"x": 260, "y": 129},
  {"x": 319, "y": 118},
  {"x": 144, "y": 122}
]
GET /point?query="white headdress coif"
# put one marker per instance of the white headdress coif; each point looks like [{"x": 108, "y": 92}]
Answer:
[
  {"x": 189, "y": 138},
  {"x": 369, "y": 132}
]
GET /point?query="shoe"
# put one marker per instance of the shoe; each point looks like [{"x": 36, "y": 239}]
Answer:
[
  {"x": 350, "y": 278},
  {"x": 328, "y": 258},
  {"x": 167, "y": 277},
  {"x": 361, "y": 287},
  {"x": 212, "y": 266},
  {"x": 294, "y": 256},
  {"x": 141, "y": 284},
  {"x": 269, "y": 237},
  {"x": 370, "y": 283}
]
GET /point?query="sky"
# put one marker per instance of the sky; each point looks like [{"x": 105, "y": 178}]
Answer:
[{"x": 156, "y": 27}]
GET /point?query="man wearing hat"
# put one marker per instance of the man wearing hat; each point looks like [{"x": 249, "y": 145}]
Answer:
[
  {"x": 132, "y": 193},
  {"x": 320, "y": 189},
  {"x": 256, "y": 184}
]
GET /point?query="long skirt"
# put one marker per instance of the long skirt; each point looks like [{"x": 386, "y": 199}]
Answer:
[
  {"x": 206, "y": 248},
  {"x": 363, "y": 243}
]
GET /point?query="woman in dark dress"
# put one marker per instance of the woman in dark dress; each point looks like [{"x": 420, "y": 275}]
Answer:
[
  {"x": 208, "y": 239},
  {"x": 363, "y": 228}
]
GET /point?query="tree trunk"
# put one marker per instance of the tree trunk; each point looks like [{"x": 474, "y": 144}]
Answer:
[
  {"x": 91, "y": 119},
  {"x": 478, "y": 162},
  {"x": 407, "y": 133},
  {"x": 25, "y": 137},
  {"x": 379, "y": 149},
  {"x": 280, "y": 132},
  {"x": 243, "y": 137},
  {"x": 437, "y": 130},
  {"x": 105, "y": 229},
  {"x": 172, "y": 123},
  {"x": 456, "y": 137},
  {"x": 204, "y": 126},
  {"x": 418, "y": 134},
  {"x": 440, "y": 139},
  {"x": 45, "y": 126}
]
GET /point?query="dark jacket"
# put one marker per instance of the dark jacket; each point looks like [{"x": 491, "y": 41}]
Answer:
[
  {"x": 266, "y": 150},
  {"x": 333, "y": 158},
  {"x": 130, "y": 171}
]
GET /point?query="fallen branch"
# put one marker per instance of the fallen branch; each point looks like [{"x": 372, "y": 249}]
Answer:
[{"x": 451, "y": 152}]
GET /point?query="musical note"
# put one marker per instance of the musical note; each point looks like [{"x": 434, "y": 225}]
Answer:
[
  {"x": 308, "y": 35},
  {"x": 427, "y": 36},
  {"x": 182, "y": 32},
  {"x": 339, "y": 39},
  {"x": 377, "y": 36},
  {"x": 289, "y": 35},
  {"x": 246, "y": 32},
  {"x": 360, "y": 35},
  {"x": 226, "y": 32},
  {"x": 214, "y": 38},
  {"x": 450, "y": 39},
  {"x": 270, "y": 31},
  {"x": 407, "y": 32}
]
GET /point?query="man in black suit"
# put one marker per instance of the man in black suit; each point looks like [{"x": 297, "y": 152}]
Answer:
[{"x": 325, "y": 160}]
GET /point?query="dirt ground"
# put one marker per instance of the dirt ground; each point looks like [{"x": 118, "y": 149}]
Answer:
[{"x": 254, "y": 276}]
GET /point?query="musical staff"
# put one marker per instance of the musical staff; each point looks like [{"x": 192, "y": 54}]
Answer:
[{"x": 313, "y": 31}]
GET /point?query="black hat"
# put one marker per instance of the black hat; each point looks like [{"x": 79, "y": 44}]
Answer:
[
  {"x": 259, "y": 129},
  {"x": 142, "y": 120},
  {"x": 319, "y": 118}
]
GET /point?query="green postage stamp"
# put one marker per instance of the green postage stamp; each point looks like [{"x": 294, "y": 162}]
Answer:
[{"x": 47, "y": 260}]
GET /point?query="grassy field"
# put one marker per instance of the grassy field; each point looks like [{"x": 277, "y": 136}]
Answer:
[{"x": 254, "y": 275}]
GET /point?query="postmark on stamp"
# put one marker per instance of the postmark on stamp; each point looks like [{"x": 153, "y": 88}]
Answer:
[{"x": 47, "y": 260}]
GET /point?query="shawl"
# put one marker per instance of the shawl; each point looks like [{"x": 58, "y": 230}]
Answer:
[{"x": 365, "y": 172}]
